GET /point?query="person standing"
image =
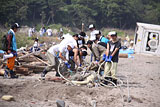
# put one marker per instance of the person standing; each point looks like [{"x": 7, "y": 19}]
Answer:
[
  {"x": 92, "y": 28},
  {"x": 49, "y": 31},
  {"x": 112, "y": 54},
  {"x": 42, "y": 31},
  {"x": 30, "y": 32},
  {"x": 11, "y": 52}
]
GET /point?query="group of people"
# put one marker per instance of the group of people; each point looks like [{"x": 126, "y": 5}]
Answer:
[
  {"x": 70, "y": 48},
  {"x": 105, "y": 49},
  {"x": 43, "y": 30},
  {"x": 73, "y": 49}
]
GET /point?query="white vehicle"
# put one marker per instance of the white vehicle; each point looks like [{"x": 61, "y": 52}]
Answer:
[{"x": 147, "y": 38}]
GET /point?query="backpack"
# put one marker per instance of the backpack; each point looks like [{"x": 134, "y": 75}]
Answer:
[
  {"x": 5, "y": 42},
  {"x": 102, "y": 44}
]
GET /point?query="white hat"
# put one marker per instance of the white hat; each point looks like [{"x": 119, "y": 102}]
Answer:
[
  {"x": 17, "y": 25},
  {"x": 112, "y": 33},
  {"x": 91, "y": 26}
]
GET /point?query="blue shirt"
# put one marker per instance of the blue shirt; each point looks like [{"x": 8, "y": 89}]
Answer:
[
  {"x": 103, "y": 39},
  {"x": 14, "y": 44}
]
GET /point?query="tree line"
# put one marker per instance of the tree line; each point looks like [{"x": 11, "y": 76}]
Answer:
[{"x": 121, "y": 14}]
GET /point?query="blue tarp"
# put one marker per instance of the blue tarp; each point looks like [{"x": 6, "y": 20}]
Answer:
[{"x": 1, "y": 51}]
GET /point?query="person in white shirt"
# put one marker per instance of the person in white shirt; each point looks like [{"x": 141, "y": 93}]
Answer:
[
  {"x": 30, "y": 32},
  {"x": 52, "y": 57},
  {"x": 42, "y": 31},
  {"x": 35, "y": 45},
  {"x": 92, "y": 28},
  {"x": 49, "y": 32},
  {"x": 70, "y": 39}
]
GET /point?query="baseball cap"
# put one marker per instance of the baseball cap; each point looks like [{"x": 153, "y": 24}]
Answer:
[
  {"x": 91, "y": 26},
  {"x": 112, "y": 33},
  {"x": 16, "y": 25}
]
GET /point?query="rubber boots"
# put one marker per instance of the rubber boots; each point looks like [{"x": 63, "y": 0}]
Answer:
[
  {"x": 6, "y": 73},
  {"x": 11, "y": 72},
  {"x": 44, "y": 73},
  {"x": 13, "y": 75}
]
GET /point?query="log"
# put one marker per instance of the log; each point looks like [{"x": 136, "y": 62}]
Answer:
[
  {"x": 24, "y": 56},
  {"x": 55, "y": 79},
  {"x": 37, "y": 70},
  {"x": 36, "y": 63},
  {"x": 123, "y": 55},
  {"x": 42, "y": 61},
  {"x": 33, "y": 66},
  {"x": 22, "y": 70},
  {"x": 27, "y": 60}
]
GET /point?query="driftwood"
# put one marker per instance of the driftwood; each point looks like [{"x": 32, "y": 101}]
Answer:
[
  {"x": 42, "y": 61},
  {"x": 55, "y": 79},
  {"x": 36, "y": 63},
  {"x": 123, "y": 55},
  {"x": 33, "y": 66},
  {"x": 22, "y": 70},
  {"x": 36, "y": 53}
]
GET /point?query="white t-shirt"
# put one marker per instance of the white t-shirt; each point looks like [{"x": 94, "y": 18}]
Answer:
[
  {"x": 59, "y": 48},
  {"x": 92, "y": 35},
  {"x": 68, "y": 41},
  {"x": 41, "y": 31},
  {"x": 30, "y": 32},
  {"x": 54, "y": 50},
  {"x": 49, "y": 32},
  {"x": 66, "y": 36},
  {"x": 35, "y": 46}
]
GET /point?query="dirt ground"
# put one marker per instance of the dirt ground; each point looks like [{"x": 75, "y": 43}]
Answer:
[{"x": 144, "y": 84}]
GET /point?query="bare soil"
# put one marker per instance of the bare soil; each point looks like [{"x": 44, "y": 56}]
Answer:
[{"x": 144, "y": 84}]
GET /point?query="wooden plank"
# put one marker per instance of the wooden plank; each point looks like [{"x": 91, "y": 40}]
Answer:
[{"x": 123, "y": 55}]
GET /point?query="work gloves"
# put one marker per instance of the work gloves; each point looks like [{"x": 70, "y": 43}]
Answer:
[
  {"x": 80, "y": 65},
  {"x": 67, "y": 64},
  {"x": 104, "y": 57},
  {"x": 107, "y": 58}
]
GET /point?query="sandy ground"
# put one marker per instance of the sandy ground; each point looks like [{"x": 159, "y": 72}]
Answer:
[{"x": 144, "y": 81}]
